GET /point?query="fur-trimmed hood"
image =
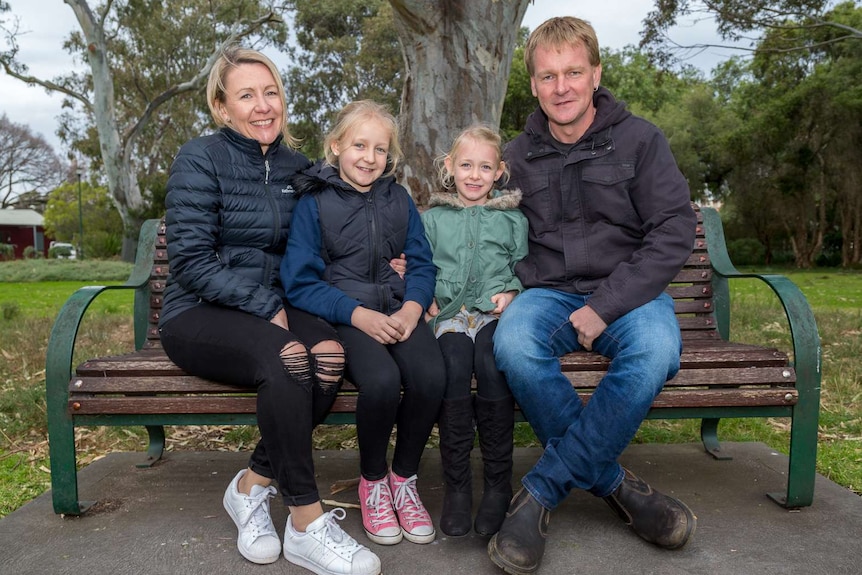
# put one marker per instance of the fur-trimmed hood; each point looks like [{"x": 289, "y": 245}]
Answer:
[{"x": 501, "y": 200}]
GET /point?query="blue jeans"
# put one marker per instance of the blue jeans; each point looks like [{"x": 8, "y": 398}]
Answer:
[{"x": 583, "y": 442}]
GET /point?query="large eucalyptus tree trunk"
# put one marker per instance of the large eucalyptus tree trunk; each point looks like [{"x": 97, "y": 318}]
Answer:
[
  {"x": 122, "y": 181},
  {"x": 457, "y": 58}
]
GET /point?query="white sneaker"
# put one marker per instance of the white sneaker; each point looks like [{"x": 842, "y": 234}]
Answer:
[
  {"x": 327, "y": 550},
  {"x": 257, "y": 540}
]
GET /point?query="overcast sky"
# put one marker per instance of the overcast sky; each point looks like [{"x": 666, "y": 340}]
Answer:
[{"x": 48, "y": 22}]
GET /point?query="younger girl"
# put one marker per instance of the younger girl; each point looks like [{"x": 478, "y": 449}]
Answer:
[
  {"x": 351, "y": 220},
  {"x": 477, "y": 235}
]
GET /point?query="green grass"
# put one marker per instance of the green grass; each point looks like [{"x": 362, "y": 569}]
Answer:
[
  {"x": 836, "y": 297},
  {"x": 43, "y": 270},
  {"x": 44, "y": 299}
]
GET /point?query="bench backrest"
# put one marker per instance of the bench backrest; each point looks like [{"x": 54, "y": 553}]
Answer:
[{"x": 691, "y": 289}]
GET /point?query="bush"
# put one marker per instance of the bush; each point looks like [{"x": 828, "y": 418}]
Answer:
[
  {"x": 7, "y": 252},
  {"x": 102, "y": 245},
  {"x": 31, "y": 253},
  {"x": 60, "y": 251},
  {"x": 746, "y": 252}
]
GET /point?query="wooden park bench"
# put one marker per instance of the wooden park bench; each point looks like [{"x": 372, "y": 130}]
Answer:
[{"x": 718, "y": 378}]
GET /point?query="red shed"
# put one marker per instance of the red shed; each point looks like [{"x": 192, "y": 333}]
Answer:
[{"x": 22, "y": 228}]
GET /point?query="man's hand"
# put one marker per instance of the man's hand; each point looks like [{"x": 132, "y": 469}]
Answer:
[{"x": 588, "y": 324}]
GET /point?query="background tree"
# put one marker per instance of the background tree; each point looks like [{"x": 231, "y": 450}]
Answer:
[
  {"x": 103, "y": 227},
  {"x": 140, "y": 54},
  {"x": 736, "y": 20},
  {"x": 519, "y": 102},
  {"x": 27, "y": 162},
  {"x": 457, "y": 57},
  {"x": 345, "y": 50}
]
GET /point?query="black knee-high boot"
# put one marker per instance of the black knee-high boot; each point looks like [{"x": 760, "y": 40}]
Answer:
[
  {"x": 495, "y": 420},
  {"x": 456, "y": 442}
]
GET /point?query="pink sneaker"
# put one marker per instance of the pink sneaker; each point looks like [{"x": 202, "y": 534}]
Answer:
[
  {"x": 414, "y": 519},
  {"x": 378, "y": 515}
]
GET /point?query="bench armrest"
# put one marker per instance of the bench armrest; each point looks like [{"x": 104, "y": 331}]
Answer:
[
  {"x": 800, "y": 317},
  {"x": 61, "y": 343}
]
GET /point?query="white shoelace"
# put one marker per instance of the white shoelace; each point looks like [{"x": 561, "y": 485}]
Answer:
[
  {"x": 379, "y": 502},
  {"x": 408, "y": 503},
  {"x": 258, "y": 506},
  {"x": 334, "y": 538}
]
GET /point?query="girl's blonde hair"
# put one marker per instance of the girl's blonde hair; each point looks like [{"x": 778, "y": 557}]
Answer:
[
  {"x": 354, "y": 114},
  {"x": 481, "y": 133},
  {"x": 232, "y": 57}
]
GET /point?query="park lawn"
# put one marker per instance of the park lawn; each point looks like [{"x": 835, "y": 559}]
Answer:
[
  {"x": 824, "y": 289},
  {"x": 45, "y": 298}
]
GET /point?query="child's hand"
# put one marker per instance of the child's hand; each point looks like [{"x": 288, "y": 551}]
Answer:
[
  {"x": 379, "y": 326},
  {"x": 433, "y": 310},
  {"x": 502, "y": 301},
  {"x": 407, "y": 317}
]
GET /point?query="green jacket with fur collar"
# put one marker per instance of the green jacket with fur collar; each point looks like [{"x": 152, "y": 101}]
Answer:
[{"x": 475, "y": 250}]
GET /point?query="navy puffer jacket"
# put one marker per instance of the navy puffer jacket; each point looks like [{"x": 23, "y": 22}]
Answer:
[{"x": 228, "y": 216}]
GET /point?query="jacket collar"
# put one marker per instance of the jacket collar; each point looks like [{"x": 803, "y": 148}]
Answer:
[
  {"x": 249, "y": 145},
  {"x": 502, "y": 200}
]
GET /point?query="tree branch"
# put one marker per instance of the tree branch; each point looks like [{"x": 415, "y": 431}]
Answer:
[
  {"x": 48, "y": 85},
  {"x": 197, "y": 80}
]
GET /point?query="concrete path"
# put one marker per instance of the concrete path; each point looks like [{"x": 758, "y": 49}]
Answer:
[{"x": 169, "y": 520}]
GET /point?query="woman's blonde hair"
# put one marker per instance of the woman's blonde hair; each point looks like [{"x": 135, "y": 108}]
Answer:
[
  {"x": 562, "y": 31},
  {"x": 231, "y": 57},
  {"x": 481, "y": 133},
  {"x": 356, "y": 113}
]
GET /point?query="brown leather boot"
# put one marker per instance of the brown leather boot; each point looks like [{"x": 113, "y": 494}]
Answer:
[
  {"x": 518, "y": 546},
  {"x": 654, "y": 516}
]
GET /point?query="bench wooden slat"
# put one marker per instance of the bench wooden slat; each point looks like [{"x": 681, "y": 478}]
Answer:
[
  {"x": 729, "y": 376},
  {"x": 347, "y": 404}
]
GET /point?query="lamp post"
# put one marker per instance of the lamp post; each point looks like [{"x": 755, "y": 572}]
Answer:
[{"x": 80, "y": 220}]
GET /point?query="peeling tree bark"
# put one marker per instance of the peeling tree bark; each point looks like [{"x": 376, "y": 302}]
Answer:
[{"x": 457, "y": 59}]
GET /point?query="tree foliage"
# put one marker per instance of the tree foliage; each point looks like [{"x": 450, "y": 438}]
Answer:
[
  {"x": 102, "y": 225},
  {"x": 801, "y": 25},
  {"x": 27, "y": 162},
  {"x": 345, "y": 50}
]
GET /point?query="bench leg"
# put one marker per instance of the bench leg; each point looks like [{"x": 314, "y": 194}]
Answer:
[
  {"x": 709, "y": 437},
  {"x": 802, "y": 469},
  {"x": 156, "y": 447},
  {"x": 64, "y": 473}
]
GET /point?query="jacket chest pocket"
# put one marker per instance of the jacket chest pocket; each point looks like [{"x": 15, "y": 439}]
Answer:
[{"x": 607, "y": 191}]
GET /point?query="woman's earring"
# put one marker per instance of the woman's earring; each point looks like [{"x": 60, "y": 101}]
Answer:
[{"x": 596, "y": 89}]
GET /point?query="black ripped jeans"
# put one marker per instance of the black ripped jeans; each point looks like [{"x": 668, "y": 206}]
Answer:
[{"x": 233, "y": 347}]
